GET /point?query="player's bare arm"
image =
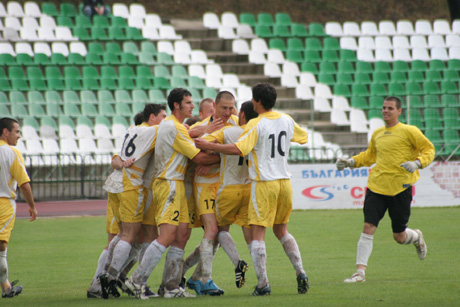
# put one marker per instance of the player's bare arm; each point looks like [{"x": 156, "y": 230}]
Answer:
[
  {"x": 26, "y": 191},
  {"x": 227, "y": 149}
]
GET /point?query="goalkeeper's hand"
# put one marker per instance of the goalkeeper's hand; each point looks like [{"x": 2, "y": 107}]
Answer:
[
  {"x": 343, "y": 162},
  {"x": 412, "y": 166}
]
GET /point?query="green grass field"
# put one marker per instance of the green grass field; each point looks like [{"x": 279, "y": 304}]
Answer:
[{"x": 55, "y": 260}]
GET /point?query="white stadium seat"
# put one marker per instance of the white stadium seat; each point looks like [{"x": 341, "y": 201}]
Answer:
[{"x": 211, "y": 20}]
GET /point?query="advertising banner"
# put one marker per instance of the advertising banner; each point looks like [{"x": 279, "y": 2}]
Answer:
[{"x": 322, "y": 186}]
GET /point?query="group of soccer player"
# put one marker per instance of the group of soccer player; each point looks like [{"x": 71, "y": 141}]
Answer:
[{"x": 171, "y": 177}]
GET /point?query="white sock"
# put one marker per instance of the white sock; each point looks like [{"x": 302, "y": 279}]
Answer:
[
  {"x": 3, "y": 266},
  {"x": 192, "y": 259},
  {"x": 120, "y": 255},
  {"x": 206, "y": 258},
  {"x": 259, "y": 258},
  {"x": 175, "y": 262},
  {"x": 132, "y": 259},
  {"x": 144, "y": 247},
  {"x": 101, "y": 263},
  {"x": 112, "y": 245},
  {"x": 227, "y": 243},
  {"x": 364, "y": 248},
  {"x": 411, "y": 236},
  {"x": 150, "y": 260},
  {"x": 361, "y": 272},
  {"x": 292, "y": 251}
]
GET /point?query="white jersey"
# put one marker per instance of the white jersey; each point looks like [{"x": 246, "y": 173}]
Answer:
[
  {"x": 12, "y": 170},
  {"x": 266, "y": 139},
  {"x": 175, "y": 147},
  {"x": 114, "y": 182},
  {"x": 233, "y": 168}
]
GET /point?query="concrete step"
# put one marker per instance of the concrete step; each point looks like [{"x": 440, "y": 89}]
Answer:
[
  {"x": 227, "y": 57},
  {"x": 242, "y": 68}
]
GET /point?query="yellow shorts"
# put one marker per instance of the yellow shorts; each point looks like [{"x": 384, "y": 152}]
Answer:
[
  {"x": 130, "y": 206},
  {"x": 205, "y": 197},
  {"x": 149, "y": 208},
  {"x": 194, "y": 218},
  {"x": 111, "y": 224},
  {"x": 271, "y": 202},
  {"x": 232, "y": 204},
  {"x": 169, "y": 197},
  {"x": 7, "y": 218}
]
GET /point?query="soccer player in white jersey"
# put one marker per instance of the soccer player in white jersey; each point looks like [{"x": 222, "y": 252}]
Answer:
[
  {"x": 12, "y": 174},
  {"x": 233, "y": 195},
  {"x": 174, "y": 149},
  {"x": 138, "y": 145},
  {"x": 266, "y": 139},
  {"x": 205, "y": 190},
  {"x": 398, "y": 151}
]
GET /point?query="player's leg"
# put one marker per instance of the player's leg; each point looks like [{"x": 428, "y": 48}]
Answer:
[
  {"x": 375, "y": 206},
  {"x": 94, "y": 290},
  {"x": 399, "y": 212}
]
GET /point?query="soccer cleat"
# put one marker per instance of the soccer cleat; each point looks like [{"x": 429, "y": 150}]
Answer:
[
  {"x": 137, "y": 289},
  {"x": 161, "y": 291},
  {"x": 355, "y": 278},
  {"x": 94, "y": 294},
  {"x": 105, "y": 286},
  {"x": 264, "y": 291},
  {"x": 302, "y": 283},
  {"x": 182, "y": 282},
  {"x": 121, "y": 284},
  {"x": 195, "y": 285},
  {"x": 179, "y": 292},
  {"x": 14, "y": 290},
  {"x": 420, "y": 245},
  {"x": 240, "y": 270},
  {"x": 210, "y": 288},
  {"x": 149, "y": 293}
]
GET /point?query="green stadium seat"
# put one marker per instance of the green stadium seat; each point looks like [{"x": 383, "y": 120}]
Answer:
[
  {"x": 418, "y": 65},
  {"x": 35, "y": 97},
  {"x": 414, "y": 88},
  {"x": 111, "y": 59},
  {"x": 102, "y": 96},
  {"x": 396, "y": 89},
  {"x": 283, "y": 19},
  {"x": 3, "y": 98},
  {"x": 331, "y": 43},
  {"x": 72, "y": 84},
  {"x": 96, "y": 48},
  {"x": 451, "y": 113},
  {"x": 128, "y": 58},
  {"x": 209, "y": 92},
  {"x": 248, "y": 18},
  {"x": 312, "y": 56},
  {"x": 330, "y": 56},
  {"x": 381, "y": 66},
  {"x": 100, "y": 21},
  {"x": 401, "y": 66},
  {"x": 161, "y": 71},
  {"x": 165, "y": 59},
  {"x": 37, "y": 110},
  {"x": 436, "y": 65},
  {"x": 134, "y": 34},
  {"x": 364, "y": 67},
  {"x": 359, "y": 90},
  {"x": 449, "y": 100},
  {"x": 294, "y": 43},
  {"x": 131, "y": 47},
  {"x": 88, "y": 97},
  {"x": 398, "y": 76},
  {"x": 88, "y": 109},
  {"x": 98, "y": 33},
  {"x": 265, "y": 19},
  {"x": 144, "y": 83},
  {"x": 144, "y": 71},
  {"x": 4, "y": 110},
  {"x": 149, "y": 47},
  {"x": 345, "y": 78},
  {"x": 81, "y": 33},
  {"x": 347, "y": 55},
  {"x": 24, "y": 59},
  {"x": 123, "y": 96},
  {"x": 71, "y": 110},
  {"x": 140, "y": 96},
  {"x": 298, "y": 30},
  {"x": 146, "y": 58},
  {"x": 31, "y": 121},
  {"x": 374, "y": 114},
  {"x": 117, "y": 21},
  {"x": 17, "y": 97},
  {"x": 316, "y": 29},
  {"x": 53, "y": 72},
  {"x": 161, "y": 83},
  {"x": 264, "y": 31},
  {"x": 451, "y": 138},
  {"x": 34, "y": 73},
  {"x": 453, "y": 64},
  {"x": 108, "y": 84},
  {"x": 16, "y": 73},
  {"x": 294, "y": 56},
  {"x": 196, "y": 82},
  {"x": 277, "y": 43},
  {"x": 37, "y": 85},
  {"x": 359, "y": 103},
  {"x": 433, "y": 124},
  {"x": 82, "y": 21},
  {"x": 138, "y": 107},
  {"x": 363, "y": 78},
  {"x": 196, "y": 97},
  {"x": 116, "y": 33},
  {"x": 123, "y": 109},
  {"x": 5, "y": 85},
  {"x": 415, "y": 76},
  {"x": 342, "y": 90},
  {"x": 432, "y": 101},
  {"x": 281, "y": 31},
  {"x": 345, "y": 67},
  {"x": 431, "y": 113},
  {"x": 72, "y": 72},
  {"x": 75, "y": 59},
  {"x": 19, "y": 110},
  {"x": 377, "y": 89},
  {"x": 416, "y": 102},
  {"x": 157, "y": 96},
  {"x": 68, "y": 9},
  {"x": 113, "y": 48},
  {"x": 7, "y": 59},
  {"x": 49, "y": 8},
  {"x": 3, "y": 73},
  {"x": 329, "y": 80},
  {"x": 65, "y": 21},
  {"x": 327, "y": 67},
  {"x": 309, "y": 67},
  {"x": 313, "y": 43},
  {"x": 58, "y": 59},
  {"x": 124, "y": 83},
  {"x": 53, "y": 97},
  {"x": 19, "y": 85},
  {"x": 71, "y": 97},
  {"x": 451, "y": 75},
  {"x": 179, "y": 71},
  {"x": 430, "y": 87},
  {"x": 123, "y": 71},
  {"x": 449, "y": 87},
  {"x": 93, "y": 59},
  {"x": 380, "y": 77}
]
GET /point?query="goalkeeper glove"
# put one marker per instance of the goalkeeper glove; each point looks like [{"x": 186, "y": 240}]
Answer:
[
  {"x": 343, "y": 162},
  {"x": 412, "y": 166}
]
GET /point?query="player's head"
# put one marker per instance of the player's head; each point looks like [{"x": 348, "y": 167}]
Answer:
[
  {"x": 391, "y": 110},
  {"x": 206, "y": 108},
  {"x": 9, "y": 131},
  {"x": 247, "y": 113},
  {"x": 138, "y": 118},
  {"x": 225, "y": 103},
  {"x": 264, "y": 94},
  {"x": 192, "y": 120},
  {"x": 153, "y": 113},
  {"x": 176, "y": 96}
]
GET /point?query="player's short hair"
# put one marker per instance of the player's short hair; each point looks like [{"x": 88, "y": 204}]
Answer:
[
  {"x": 176, "y": 95},
  {"x": 7, "y": 122},
  {"x": 265, "y": 93},
  {"x": 248, "y": 109},
  {"x": 224, "y": 95},
  {"x": 203, "y": 102},
  {"x": 152, "y": 108},
  {"x": 395, "y": 99},
  {"x": 138, "y": 118},
  {"x": 192, "y": 120}
]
